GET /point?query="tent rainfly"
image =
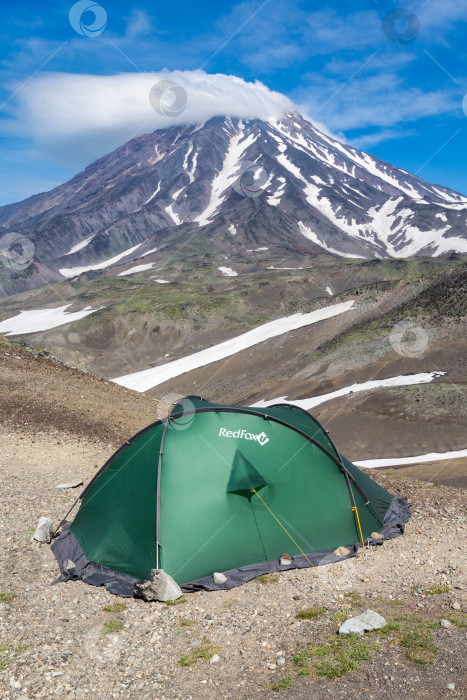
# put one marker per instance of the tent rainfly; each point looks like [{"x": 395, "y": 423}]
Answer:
[{"x": 213, "y": 488}]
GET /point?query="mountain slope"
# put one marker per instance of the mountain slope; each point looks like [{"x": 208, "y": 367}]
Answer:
[{"x": 251, "y": 186}]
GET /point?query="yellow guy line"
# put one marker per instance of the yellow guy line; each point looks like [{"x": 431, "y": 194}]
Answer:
[{"x": 310, "y": 562}]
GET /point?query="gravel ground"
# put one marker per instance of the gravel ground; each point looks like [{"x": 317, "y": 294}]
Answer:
[{"x": 56, "y": 640}]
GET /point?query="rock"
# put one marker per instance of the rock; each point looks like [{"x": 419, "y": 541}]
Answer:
[
  {"x": 44, "y": 530},
  {"x": 280, "y": 661},
  {"x": 456, "y": 606},
  {"x": 451, "y": 686},
  {"x": 445, "y": 623},
  {"x": 160, "y": 586},
  {"x": 69, "y": 564},
  {"x": 377, "y": 536},
  {"x": 341, "y": 552},
  {"x": 365, "y": 622},
  {"x": 72, "y": 485},
  {"x": 286, "y": 560},
  {"x": 214, "y": 659},
  {"x": 219, "y": 578},
  {"x": 271, "y": 667}
]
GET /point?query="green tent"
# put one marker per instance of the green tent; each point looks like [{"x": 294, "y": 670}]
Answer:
[{"x": 227, "y": 489}]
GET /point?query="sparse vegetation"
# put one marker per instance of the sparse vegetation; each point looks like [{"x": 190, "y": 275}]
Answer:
[
  {"x": 7, "y": 597},
  {"x": 268, "y": 578},
  {"x": 112, "y": 625},
  {"x": 415, "y": 635},
  {"x": 434, "y": 589},
  {"x": 354, "y": 598},
  {"x": 343, "y": 654},
  {"x": 310, "y": 613},
  {"x": 202, "y": 653},
  {"x": 179, "y": 601},
  {"x": 115, "y": 608},
  {"x": 457, "y": 619},
  {"x": 283, "y": 684}
]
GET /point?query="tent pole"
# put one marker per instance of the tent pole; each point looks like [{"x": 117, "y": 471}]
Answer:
[{"x": 158, "y": 494}]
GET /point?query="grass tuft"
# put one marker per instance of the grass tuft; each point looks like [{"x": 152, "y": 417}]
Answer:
[
  {"x": 434, "y": 589},
  {"x": 283, "y": 684},
  {"x": 7, "y": 597},
  {"x": 457, "y": 618},
  {"x": 268, "y": 578},
  {"x": 355, "y": 598},
  {"x": 310, "y": 613},
  {"x": 179, "y": 601},
  {"x": 115, "y": 608},
  {"x": 112, "y": 625},
  {"x": 204, "y": 652}
]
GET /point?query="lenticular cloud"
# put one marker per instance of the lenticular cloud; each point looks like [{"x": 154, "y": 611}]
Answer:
[{"x": 74, "y": 117}]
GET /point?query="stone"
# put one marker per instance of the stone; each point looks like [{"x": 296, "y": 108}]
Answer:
[
  {"x": 286, "y": 559},
  {"x": 160, "y": 586},
  {"x": 280, "y": 661},
  {"x": 71, "y": 485},
  {"x": 44, "y": 530},
  {"x": 219, "y": 578},
  {"x": 451, "y": 686},
  {"x": 69, "y": 564},
  {"x": 214, "y": 659},
  {"x": 377, "y": 536},
  {"x": 456, "y": 606},
  {"x": 445, "y": 623},
  {"x": 271, "y": 667},
  {"x": 341, "y": 552},
  {"x": 365, "y": 622}
]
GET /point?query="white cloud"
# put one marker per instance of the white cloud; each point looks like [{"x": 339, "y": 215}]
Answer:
[{"x": 76, "y": 118}]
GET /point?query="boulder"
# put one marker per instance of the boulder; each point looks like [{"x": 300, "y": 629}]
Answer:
[
  {"x": 341, "y": 551},
  {"x": 71, "y": 485},
  {"x": 219, "y": 578},
  {"x": 160, "y": 586},
  {"x": 365, "y": 622},
  {"x": 44, "y": 530}
]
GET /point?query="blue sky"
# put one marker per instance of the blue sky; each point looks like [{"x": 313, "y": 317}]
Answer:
[{"x": 397, "y": 95}]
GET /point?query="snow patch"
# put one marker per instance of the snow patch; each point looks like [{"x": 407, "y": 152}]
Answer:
[
  {"x": 135, "y": 269},
  {"x": 72, "y": 271},
  {"x": 308, "y": 233},
  {"x": 36, "y": 320},
  {"x": 148, "y": 378},
  {"x": 228, "y": 272},
  {"x": 393, "y": 461},
  {"x": 80, "y": 246},
  {"x": 403, "y": 380}
]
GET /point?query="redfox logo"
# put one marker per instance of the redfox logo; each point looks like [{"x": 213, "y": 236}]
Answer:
[{"x": 261, "y": 438}]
